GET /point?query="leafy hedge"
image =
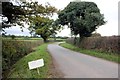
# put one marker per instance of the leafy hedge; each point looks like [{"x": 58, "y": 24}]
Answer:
[
  {"x": 102, "y": 44},
  {"x": 13, "y": 50}
]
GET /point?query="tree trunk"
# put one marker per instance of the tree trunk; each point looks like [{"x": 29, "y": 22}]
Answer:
[
  {"x": 54, "y": 37},
  {"x": 75, "y": 40},
  {"x": 45, "y": 40},
  {"x": 81, "y": 38}
]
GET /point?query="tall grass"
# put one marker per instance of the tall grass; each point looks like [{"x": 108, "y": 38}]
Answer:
[
  {"x": 13, "y": 50},
  {"x": 21, "y": 69}
]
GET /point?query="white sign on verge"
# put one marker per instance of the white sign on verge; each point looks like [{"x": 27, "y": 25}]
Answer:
[{"x": 36, "y": 64}]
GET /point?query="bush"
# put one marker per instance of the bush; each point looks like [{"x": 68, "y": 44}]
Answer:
[
  {"x": 13, "y": 36},
  {"x": 13, "y": 50},
  {"x": 102, "y": 44}
]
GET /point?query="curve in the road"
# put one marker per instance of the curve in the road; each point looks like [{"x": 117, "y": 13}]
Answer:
[{"x": 76, "y": 65}]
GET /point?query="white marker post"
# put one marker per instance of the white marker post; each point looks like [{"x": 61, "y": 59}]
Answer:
[{"x": 36, "y": 64}]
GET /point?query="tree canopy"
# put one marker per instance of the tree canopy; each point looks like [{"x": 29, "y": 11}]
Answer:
[
  {"x": 44, "y": 26},
  {"x": 36, "y": 15},
  {"x": 17, "y": 14},
  {"x": 81, "y": 17}
]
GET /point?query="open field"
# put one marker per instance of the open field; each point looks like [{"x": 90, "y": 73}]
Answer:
[
  {"x": 31, "y": 39},
  {"x": 22, "y": 38}
]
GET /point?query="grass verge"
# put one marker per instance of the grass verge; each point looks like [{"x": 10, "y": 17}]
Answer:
[
  {"x": 21, "y": 70},
  {"x": 110, "y": 57}
]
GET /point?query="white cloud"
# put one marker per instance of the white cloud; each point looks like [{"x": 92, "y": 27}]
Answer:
[
  {"x": 65, "y": 32},
  {"x": 59, "y": 4},
  {"x": 16, "y": 30},
  {"x": 109, "y": 29}
]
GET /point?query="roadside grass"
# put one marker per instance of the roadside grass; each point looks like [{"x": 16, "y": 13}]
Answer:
[
  {"x": 21, "y": 70},
  {"x": 106, "y": 56}
]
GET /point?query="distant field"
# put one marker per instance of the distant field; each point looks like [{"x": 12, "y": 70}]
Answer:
[
  {"x": 23, "y": 38},
  {"x": 28, "y": 39}
]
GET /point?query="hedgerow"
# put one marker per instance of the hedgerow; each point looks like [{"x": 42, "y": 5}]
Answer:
[
  {"x": 102, "y": 44},
  {"x": 13, "y": 50}
]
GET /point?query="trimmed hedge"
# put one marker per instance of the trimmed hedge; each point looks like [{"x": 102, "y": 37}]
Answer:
[
  {"x": 103, "y": 44},
  {"x": 13, "y": 50}
]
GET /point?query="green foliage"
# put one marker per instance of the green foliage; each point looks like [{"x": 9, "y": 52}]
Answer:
[
  {"x": 13, "y": 50},
  {"x": 44, "y": 27},
  {"x": 13, "y": 36},
  {"x": 42, "y": 24},
  {"x": 36, "y": 15},
  {"x": 44, "y": 32},
  {"x": 102, "y": 44},
  {"x": 21, "y": 70},
  {"x": 12, "y": 13},
  {"x": 96, "y": 35},
  {"x": 17, "y": 14},
  {"x": 82, "y": 18}
]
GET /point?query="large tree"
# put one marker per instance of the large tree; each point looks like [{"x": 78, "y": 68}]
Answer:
[
  {"x": 44, "y": 26},
  {"x": 12, "y": 14},
  {"x": 81, "y": 17},
  {"x": 33, "y": 13},
  {"x": 22, "y": 11}
]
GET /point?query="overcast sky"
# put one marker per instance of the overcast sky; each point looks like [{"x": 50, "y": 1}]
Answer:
[{"x": 107, "y": 7}]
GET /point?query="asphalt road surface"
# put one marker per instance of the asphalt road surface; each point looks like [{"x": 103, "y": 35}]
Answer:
[{"x": 76, "y": 65}]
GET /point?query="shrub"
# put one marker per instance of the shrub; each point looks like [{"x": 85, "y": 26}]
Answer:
[
  {"x": 13, "y": 50},
  {"x": 13, "y": 36},
  {"x": 102, "y": 44}
]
